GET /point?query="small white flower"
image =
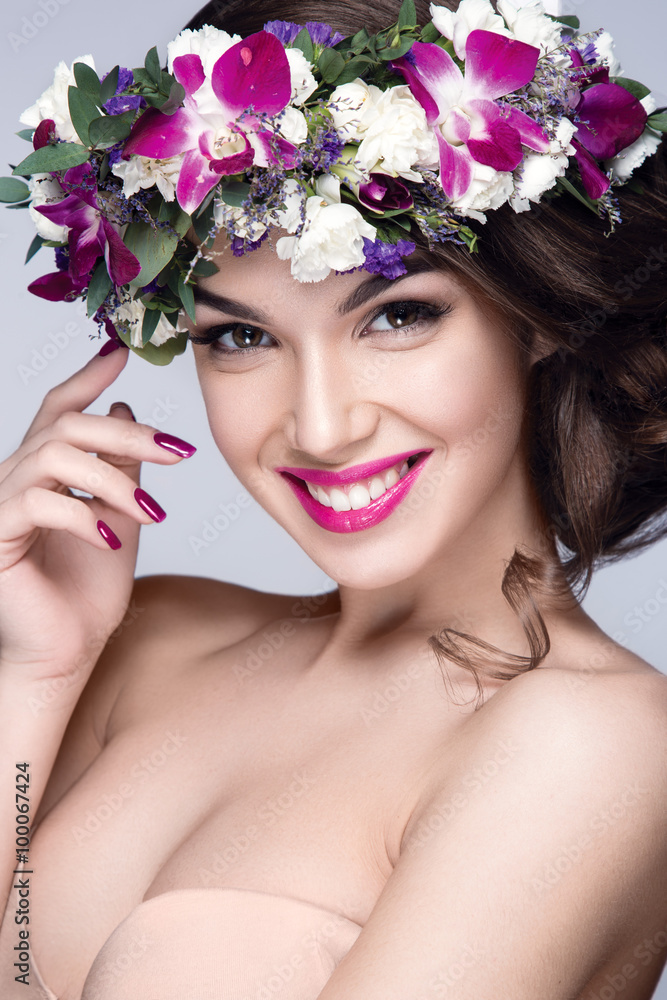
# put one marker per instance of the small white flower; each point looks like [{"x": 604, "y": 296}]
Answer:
[
  {"x": 332, "y": 238},
  {"x": 290, "y": 217},
  {"x": 490, "y": 188},
  {"x": 604, "y": 46},
  {"x": 530, "y": 24},
  {"x": 303, "y": 81},
  {"x": 208, "y": 43},
  {"x": 538, "y": 172},
  {"x": 471, "y": 14},
  {"x": 129, "y": 317},
  {"x": 390, "y": 126},
  {"x": 45, "y": 190},
  {"x": 54, "y": 102},
  {"x": 293, "y": 126},
  {"x": 144, "y": 172}
]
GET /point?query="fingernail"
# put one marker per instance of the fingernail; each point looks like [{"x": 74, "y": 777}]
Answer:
[
  {"x": 128, "y": 408},
  {"x": 174, "y": 444},
  {"x": 147, "y": 503},
  {"x": 110, "y": 537},
  {"x": 111, "y": 345}
]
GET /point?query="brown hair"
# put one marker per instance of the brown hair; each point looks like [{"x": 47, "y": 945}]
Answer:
[{"x": 597, "y": 434}]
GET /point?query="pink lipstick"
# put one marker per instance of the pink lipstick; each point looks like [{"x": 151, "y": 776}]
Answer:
[{"x": 365, "y": 517}]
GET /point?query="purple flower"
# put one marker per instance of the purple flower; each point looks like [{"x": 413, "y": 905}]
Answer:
[
  {"x": 470, "y": 124},
  {"x": 285, "y": 31},
  {"x": 62, "y": 259},
  {"x": 90, "y": 233},
  {"x": 323, "y": 34},
  {"x": 385, "y": 194},
  {"x": 241, "y": 246},
  {"x": 386, "y": 258},
  {"x": 124, "y": 102},
  {"x": 250, "y": 80}
]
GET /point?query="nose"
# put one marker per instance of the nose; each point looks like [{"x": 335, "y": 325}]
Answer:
[{"x": 331, "y": 409}]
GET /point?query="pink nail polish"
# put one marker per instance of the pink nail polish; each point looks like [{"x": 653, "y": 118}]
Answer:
[
  {"x": 151, "y": 506},
  {"x": 110, "y": 537},
  {"x": 174, "y": 444}
]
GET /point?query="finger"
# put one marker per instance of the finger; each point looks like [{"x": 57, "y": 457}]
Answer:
[
  {"x": 80, "y": 390},
  {"x": 57, "y": 463}
]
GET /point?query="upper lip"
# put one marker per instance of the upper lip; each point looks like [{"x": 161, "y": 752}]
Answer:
[{"x": 322, "y": 477}]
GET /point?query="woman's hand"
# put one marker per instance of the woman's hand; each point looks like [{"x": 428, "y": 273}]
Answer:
[{"x": 63, "y": 587}]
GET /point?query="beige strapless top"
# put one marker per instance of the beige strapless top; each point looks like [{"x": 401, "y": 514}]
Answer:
[{"x": 219, "y": 944}]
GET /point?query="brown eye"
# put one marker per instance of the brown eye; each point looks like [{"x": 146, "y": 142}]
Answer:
[
  {"x": 402, "y": 315},
  {"x": 246, "y": 336}
]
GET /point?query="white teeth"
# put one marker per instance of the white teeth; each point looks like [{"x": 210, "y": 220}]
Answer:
[
  {"x": 391, "y": 477},
  {"x": 405, "y": 468},
  {"x": 359, "y": 497},
  {"x": 339, "y": 500},
  {"x": 312, "y": 490},
  {"x": 377, "y": 488},
  {"x": 323, "y": 497}
]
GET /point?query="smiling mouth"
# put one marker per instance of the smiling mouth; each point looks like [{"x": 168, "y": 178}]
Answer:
[{"x": 362, "y": 492}]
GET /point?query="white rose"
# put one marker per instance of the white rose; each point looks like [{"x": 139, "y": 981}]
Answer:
[
  {"x": 303, "y": 81},
  {"x": 346, "y": 106},
  {"x": 144, "y": 172},
  {"x": 129, "y": 316},
  {"x": 530, "y": 24},
  {"x": 604, "y": 46},
  {"x": 396, "y": 135},
  {"x": 293, "y": 126},
  {"x": 208, "y": 43},
  {"x": 490, "y": 188},
  {"x": 332, "y": 238},
  {"x": 54, "y": 102},
  {"x": 45, "y": 190},
  {"x": 471, "y": 14}
]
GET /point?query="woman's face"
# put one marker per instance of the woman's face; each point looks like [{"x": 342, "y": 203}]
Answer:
[{"x": 355, "y": 370}]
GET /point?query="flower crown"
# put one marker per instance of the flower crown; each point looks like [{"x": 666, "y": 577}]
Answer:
[{"x": 344, "y": 143}]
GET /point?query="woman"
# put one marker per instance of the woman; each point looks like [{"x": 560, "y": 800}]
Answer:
[{"x": 423, "y": 785}]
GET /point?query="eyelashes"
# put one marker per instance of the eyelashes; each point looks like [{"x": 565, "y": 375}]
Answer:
[{"x": 405, "y": 318}]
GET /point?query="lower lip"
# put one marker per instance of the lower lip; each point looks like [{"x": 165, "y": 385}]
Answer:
[{"x": 356, "y": 520}]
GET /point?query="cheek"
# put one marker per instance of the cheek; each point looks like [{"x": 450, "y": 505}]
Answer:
[{"x": 238, "y": 423}]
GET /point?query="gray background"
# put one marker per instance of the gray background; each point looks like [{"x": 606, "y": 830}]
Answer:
[{"x": 208, "y": 532}]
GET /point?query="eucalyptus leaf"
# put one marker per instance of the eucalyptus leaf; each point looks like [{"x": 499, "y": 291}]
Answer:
[
  {"x": 354, "y": 68},
  {"x": 36, "y": 245},
  {"x": 304, "y": 42},
  {"x": 59, "y": 157},
  {"x": 234, "y": 193},
  {"x": 359, "y": 41},
  {"x": 82, "y": 111},
  {"x": 658, "y": 122},
  {"x": 153, "y": 248},
  {"x": 331, "y": 64},
  {"x": 109, "y": 129},
  {"x": 637, "y": 89},
  {"x": 153, "y": 68},
  {"x": 142, "y": 77},
  {"x": 99, "y": 288},
  {"x": 109, "y": 85},
  {"x": 12, "y": 189},
  {"x": 26, "y": 133},
  {"x": 570, "y": 20},
  {"x": 407, "y": 17},
  {"x": 165, "y": 353},
  {"x": 187, "y": 297},
  {"x": 202, "y": 223},
  {"x": 87, "y": 80},
  {"x": 149, "y": 324},
  {"x": 396, "y": 52},
  {"x": 175, "y": 99},
  {"x": 171, "y": 212},
  {"x": 205, "y": 268},
  {"x": 430, "y": 33}
]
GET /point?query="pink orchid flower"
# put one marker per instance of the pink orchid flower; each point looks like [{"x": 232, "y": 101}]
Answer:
[
  {"x": 610, "y": 119},
  {"x": 90, "y": 234},
  {"x": 221, "y": 132},
  {"x": 469, "y": 123}
]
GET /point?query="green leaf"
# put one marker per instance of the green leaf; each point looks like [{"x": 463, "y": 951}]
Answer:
[
  {"x": 304, "y": 42},
  {"x": 430, "y": 33},
  {"x": 202, "y": 223},
  {"x": 568, "y": 186},
  {"x": 87, "y": 80},
  {"x": 234, "y": 193},
  {"x": 171, "y": 212},
  {"x": 109, "y": 85},
  {"x": 109, "y": 129},
  {"x": 167, "y": 81},
  {"x": 82, "y": 111},
  {"x": 165, "y": 353},
  {"x": 149, "y": 324},
  {"x": 99, "y": 288},
  {"x": 13, "y": 190},
  {"x": 26, "y": 133},
  {"x": 152, "y": 247},
  {"x": 354, "y": 68},
  {"x": 407, "y": 17},
  {"x": 395, "y": 52},
  {"x": 60, "y": 157},
  {"x": 22, "y": 204},
  {"x": 36, "y": 245},
  {"x": 637, "y": 89},
  {"x": 359, "y": 41},
  {"x": 331, "y": 64},
  {"x": 153, "y": 67},
  {"x": 569, "y": 20},
  {"x": 658, "y": 121},
  {"x": 175, "y": 99},
  {"x": 187, "y": 297},
  {"x": 143, "y": 78},
  {"x": 205, "y": 268}
]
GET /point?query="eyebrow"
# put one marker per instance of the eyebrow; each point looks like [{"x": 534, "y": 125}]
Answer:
[{"x": 363, "y": 293}]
